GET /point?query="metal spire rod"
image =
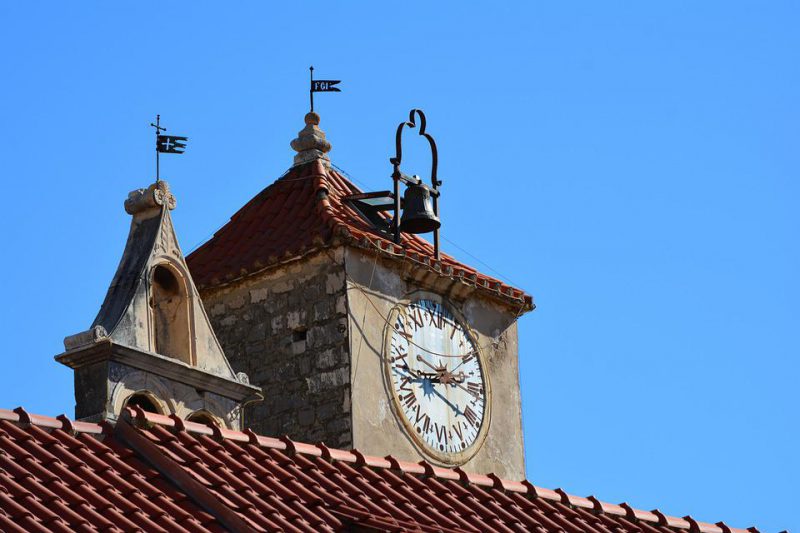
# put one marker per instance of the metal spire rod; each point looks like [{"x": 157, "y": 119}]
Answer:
[
  {"x": 159, "y": 129},
  {"x": 311, "y": 87}
]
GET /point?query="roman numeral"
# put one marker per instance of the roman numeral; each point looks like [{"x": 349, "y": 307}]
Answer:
[
  {"x": 435, "y": 317},
  {"x": 441, "y": 433},
  {"x": 399, "y": 357},
  {"x": 466, "y": 358},
  {"x": 476, "y": 389},
  {"x": 457, "y": 430},
  {"x": 405, "y": 384},
  {"x": 426, "y": 420},
  {"x": 471, "y": 417},
  {"x": 410, "y": 400},
  {"x": 416, "y": 316}
]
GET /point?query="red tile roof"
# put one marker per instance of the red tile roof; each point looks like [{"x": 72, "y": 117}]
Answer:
[
  {"x": 306, "y": 210},
  {"x": 161, "y": 473},
  {"x": 59, "y": 475}
]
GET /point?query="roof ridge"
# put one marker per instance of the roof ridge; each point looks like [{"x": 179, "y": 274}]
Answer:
[{"x": 422, "y": 468}]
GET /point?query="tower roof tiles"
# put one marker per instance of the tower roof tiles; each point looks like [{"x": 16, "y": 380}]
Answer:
[{"x": 307, "y": 210}]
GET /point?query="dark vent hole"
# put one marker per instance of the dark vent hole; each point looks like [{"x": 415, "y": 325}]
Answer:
[{"x": 299, "y": 334}]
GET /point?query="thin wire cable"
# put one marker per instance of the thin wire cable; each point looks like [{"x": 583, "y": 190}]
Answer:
[
  {"x": 492, "y": 344},
  {"x": 476, "y": 258}
]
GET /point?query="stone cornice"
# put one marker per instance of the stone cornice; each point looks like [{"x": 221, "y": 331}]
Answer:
[{"x": 107, "y": 350}]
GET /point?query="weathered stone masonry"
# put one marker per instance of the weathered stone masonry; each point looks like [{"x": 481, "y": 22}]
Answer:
[{"x": 287, "y": 329}]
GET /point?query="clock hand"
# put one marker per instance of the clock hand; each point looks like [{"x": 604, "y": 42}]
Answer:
[
  {"x": 471, "y": 393},
  {"x": 418, "y": 376},
  {"x": 421, "y": 360},
  {"x": 441, "y": 373}
]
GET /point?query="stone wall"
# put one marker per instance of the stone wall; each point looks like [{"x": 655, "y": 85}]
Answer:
[{"x": 287, "y": 329}]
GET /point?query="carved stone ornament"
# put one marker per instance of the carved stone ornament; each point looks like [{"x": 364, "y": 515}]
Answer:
[
  {"x": 155, "y": 195},
  {"x": 83, "y": 338},
  {"x": 310, "y": 143}
]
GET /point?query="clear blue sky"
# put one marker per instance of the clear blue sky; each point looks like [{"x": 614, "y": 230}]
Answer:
[{"x": 633, "y": 165}]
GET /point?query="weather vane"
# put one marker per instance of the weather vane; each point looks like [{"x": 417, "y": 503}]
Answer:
[
  {"x": 166, "y": 144},
  {"x": 321, "y": 86}
]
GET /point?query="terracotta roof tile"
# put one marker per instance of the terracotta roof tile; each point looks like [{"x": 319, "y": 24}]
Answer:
[
  {"x": 306, "y": 210},
  {"x": 54, "y": 480},
  {"x": 57, "y": 475}
]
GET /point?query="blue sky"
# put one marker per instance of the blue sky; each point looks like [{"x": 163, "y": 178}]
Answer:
[{"x": 634, "y": 166}]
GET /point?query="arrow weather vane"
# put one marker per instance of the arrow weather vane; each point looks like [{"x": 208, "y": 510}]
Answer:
[
  {"x": 167, "y": 144},
  {"x": 321, "y": 86}
]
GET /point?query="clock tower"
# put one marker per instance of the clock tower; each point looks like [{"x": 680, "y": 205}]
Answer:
[{"x": 359, "y": 337}]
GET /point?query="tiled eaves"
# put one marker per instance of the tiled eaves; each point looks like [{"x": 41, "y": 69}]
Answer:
[
  {"x": 412, "y": 247},
  {"x": 488, "y": 286},
  {"x": 423, "y": 469}
]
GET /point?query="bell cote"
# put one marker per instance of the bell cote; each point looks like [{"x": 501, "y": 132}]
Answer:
[{"x": 151, "y": 343}]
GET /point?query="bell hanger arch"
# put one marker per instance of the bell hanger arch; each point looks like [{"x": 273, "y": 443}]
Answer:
[
  {"x": 398, "y": 143},
  {"x": 416, "y": 119}
]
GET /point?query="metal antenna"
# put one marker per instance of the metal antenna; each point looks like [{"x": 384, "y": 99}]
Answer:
[{"x": 159, "y": 129}]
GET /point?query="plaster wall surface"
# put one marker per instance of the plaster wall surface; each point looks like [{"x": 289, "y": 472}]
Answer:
[
  {"x": 374, "y": 289},
  {"x": 287, "y": 329}
]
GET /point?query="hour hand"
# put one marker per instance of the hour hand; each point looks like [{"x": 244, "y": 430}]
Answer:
[{"x": 416, "y": 374}]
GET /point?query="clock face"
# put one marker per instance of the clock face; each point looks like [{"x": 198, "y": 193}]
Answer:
[{"x": 435, "y": 373}]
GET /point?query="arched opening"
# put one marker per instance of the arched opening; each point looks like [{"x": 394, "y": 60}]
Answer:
[
  {"x": 170, "y": 306},
  {"x": 144, "y": 402},
  {"x": 203, "y": 417}
]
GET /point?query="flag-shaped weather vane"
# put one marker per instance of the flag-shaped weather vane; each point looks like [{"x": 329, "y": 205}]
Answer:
[
  {"x": 166, "y": 144},
  {"x": 321, "y": 86}
]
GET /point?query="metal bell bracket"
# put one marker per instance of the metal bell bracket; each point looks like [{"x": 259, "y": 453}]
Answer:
[{"x": 398, "y": 176}]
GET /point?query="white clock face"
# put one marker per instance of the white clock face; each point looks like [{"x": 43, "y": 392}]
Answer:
[{"x": 435, "y": 372}]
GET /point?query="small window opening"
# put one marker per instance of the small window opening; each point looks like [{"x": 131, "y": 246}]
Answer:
[
  {"x": 166, "y": 280},
  {"x": 170, "y": 314},
  {"x": 144, "y": 403},
  {"x": 374, "y": 207},
  {"x": 201, "y": 417}
]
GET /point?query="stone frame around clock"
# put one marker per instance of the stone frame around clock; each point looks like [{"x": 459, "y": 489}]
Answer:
[{"x": 449, "y": 460}]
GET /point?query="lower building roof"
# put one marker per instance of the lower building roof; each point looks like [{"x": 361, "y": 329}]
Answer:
[{"x": 156, "y": 473}]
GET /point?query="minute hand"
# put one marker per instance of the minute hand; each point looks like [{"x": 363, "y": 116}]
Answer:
[
  {"x": 421, "y": 360},
  {"x": 472, "y": 393}
]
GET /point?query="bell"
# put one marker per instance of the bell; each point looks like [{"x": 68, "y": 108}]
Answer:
[{"x": 418, "y": 215}]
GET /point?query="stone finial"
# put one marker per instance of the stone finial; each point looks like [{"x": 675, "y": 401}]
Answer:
[
  {"x": 155, "y": 195},
  {"x": 310, "y": 143}
]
